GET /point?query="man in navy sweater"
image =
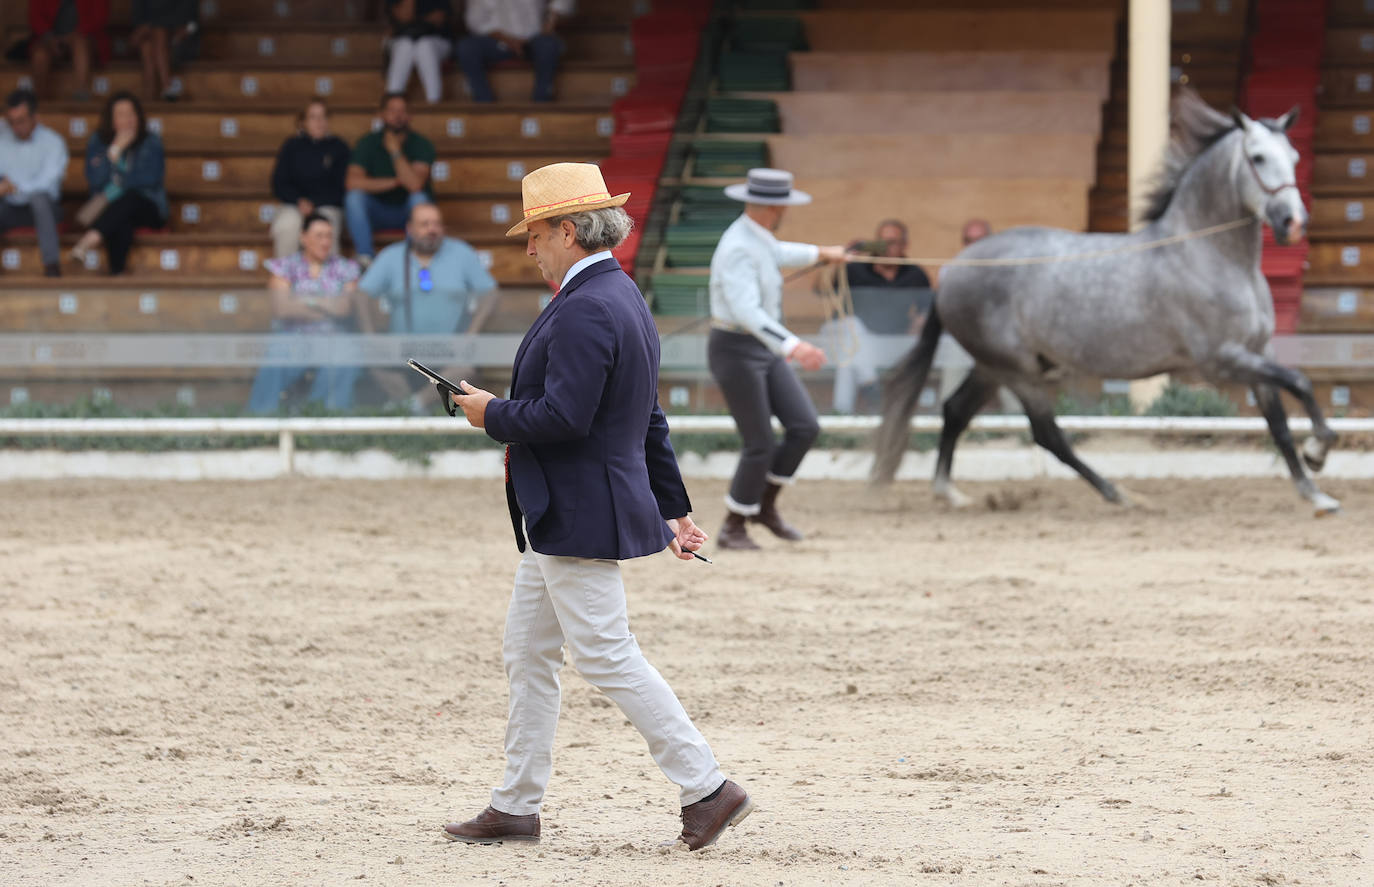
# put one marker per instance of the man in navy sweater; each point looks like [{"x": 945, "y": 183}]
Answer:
[
  {"x": 309, "y": 177},
  {"x": 592, "y": 479}
]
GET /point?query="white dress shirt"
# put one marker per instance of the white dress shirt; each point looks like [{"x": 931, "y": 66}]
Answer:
[
  {"x": 36, "y": 165},
  {"x": 584, "y": 262},
  {"x": 746, "y": 282},
  {"x": 518, "y": 18}
]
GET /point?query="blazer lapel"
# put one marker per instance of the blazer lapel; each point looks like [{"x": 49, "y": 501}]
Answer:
[
  {"x": 582, "y": 277},
  {"x": 539, "y": 322}
]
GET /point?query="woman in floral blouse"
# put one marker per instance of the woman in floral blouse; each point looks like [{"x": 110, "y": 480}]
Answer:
[{"x": 314, "y": 292}]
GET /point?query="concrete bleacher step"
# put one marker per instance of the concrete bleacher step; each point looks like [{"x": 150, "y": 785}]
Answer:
[
  {"x": 185, "y": 127},
  {"x": 1348, "y": 46},
  {"x": 464, "y": 217},
  {"x": 322, "y": 44},
  {"x": 210, "y": 84},
  {"x": 1342, "y": 218},
  {"x": 177, "y": 253},
  {"x": 219, "y": 306},
  {"x": 939, "y": 112},
  {"x": 215, "y": 11},
  {"x": 1337, "y": 310},
  {"x": 1054, "y": 155},
  {"x": 841, "y": 30},
  {"x": 1345, "y": 130},
  {"x": 451, "y": 177},
  {"x": 1348, "y": 87},
  {"x": 1340, "y": 263},
  {"x": 1349, "y": 13},
  {"x": 146, "y": 309},
  {"x": 953, "y": 71},
  {"x": 1337, "y": 174}
]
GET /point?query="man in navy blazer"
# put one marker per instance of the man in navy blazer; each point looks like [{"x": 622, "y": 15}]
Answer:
[{"x": 592, "y": 479}]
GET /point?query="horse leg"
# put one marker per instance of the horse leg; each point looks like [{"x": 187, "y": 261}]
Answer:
[
  {"x": 1267, "y": 397},
  {"x": 1254, "y": 369},
  {"x": 970, "y": 397},
  {"x": 1039, "y": 409}
]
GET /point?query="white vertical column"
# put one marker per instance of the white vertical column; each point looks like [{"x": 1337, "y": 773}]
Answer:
[{"x": 1148, "y": 126}]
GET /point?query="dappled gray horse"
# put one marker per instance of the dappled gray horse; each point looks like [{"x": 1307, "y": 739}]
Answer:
[{"x": 1116, "y": 308}]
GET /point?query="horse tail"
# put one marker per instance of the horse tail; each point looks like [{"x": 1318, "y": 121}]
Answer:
[{"x": 904, "y": 385}]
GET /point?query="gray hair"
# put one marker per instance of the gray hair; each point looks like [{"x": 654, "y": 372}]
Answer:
[{"x": 598, "y": 229}]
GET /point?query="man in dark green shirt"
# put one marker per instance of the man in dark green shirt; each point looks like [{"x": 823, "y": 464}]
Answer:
[{"x": 387, "y": 176}]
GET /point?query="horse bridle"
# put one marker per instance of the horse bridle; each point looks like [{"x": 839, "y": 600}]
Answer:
[{"x": 1250, "y": 162}]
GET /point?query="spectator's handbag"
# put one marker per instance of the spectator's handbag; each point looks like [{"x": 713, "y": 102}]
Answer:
[{"x": 91, "y": 210}]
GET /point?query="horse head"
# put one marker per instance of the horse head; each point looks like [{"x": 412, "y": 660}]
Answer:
[{"x": 1268, "y": 175}]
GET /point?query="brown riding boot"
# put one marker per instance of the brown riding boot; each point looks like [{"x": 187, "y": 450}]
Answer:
[
  {"x": 734, "y": 535},
  {"x": 769, "y": 517}
]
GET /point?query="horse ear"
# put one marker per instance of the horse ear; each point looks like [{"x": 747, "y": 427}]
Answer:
[
  {"x": 1287, "y": 120},
  {"x": 1239, "y": 117}
]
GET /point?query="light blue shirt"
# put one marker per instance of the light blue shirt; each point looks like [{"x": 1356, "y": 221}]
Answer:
[
  {"x": 34, "y": 166},
  {"x": 746, "y": 282},
  {"x": 458, "y": 278}
]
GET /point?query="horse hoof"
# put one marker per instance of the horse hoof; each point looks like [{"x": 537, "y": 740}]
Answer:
[
  {"x": 953, "y": 498},
  {"x": 1314, "y": 454},
  {"x": 1324, "y": 505}
]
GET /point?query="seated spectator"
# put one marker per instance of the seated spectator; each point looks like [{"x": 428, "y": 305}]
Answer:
[
  {"x": 157, "y": 24},
  {"x": 430, "y": 285},
  {"x": 309, "y": 178},
  {"x": 33, "y": 162},
  {"x": 67, "y": 29},
  {"x": 124, "y": 169},
  {"x": 420, "y": 41},
  {"x": 892, "y": 237},
  {"x": 507, "y": 29},
  {"x": 314, "y": 292},
  {"x": 896, "y": 310},
  {"x": 387, "y": 176},
  {"x": 975, "y": 230}
]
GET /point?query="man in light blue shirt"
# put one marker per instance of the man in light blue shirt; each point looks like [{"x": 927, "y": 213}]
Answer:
[
  {"x": 33, "y": 162},
  {"x": 429, "y": 285}
]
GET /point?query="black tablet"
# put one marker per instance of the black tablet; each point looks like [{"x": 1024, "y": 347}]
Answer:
[{"x": 435, "y": 377}]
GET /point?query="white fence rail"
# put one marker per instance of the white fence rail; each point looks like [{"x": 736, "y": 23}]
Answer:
[{"x": 286, "y": 429}]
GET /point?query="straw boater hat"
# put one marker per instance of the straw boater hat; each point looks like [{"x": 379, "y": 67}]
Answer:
[
  {"x": 770, "y": 187},
  {"x": 561, "y": 188}
]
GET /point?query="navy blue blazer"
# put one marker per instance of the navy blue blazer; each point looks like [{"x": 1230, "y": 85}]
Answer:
[{"x": 591, "y": 467}]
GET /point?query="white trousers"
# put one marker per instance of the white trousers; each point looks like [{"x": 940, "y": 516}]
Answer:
[
  {"x": 286, "y": 228},
  {"x": 581, "y": 603},
  {"x": 426, "y": 56}
]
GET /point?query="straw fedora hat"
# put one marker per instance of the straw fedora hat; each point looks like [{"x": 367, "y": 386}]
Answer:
[
  {"x": 770, "y": 187},
  {"x": 561, "y": 188}
]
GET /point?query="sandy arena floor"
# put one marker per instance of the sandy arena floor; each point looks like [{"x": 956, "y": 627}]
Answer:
[{"x": 298, "y": 683}]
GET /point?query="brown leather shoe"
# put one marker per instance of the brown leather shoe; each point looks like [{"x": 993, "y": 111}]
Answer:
[
  {"x": 768, "y": 516},
  {"x": 491, "y": 826},
  {"x": 733, "y": 535},
  {"x": 703, "y": 821}
]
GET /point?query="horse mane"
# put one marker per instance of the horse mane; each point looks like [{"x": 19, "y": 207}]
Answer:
[{"x": 1194, "y": 126}]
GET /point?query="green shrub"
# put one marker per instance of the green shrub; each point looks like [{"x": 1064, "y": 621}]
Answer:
[{"x": 1189, "y": 400}]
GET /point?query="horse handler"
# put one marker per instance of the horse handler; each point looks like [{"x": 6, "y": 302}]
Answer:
[
  {"x": 591, "y": 476},
  {"x": 749, "y": 348}
]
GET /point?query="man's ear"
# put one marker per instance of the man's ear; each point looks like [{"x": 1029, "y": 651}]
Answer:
[{"x": 568, "y": 230}]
